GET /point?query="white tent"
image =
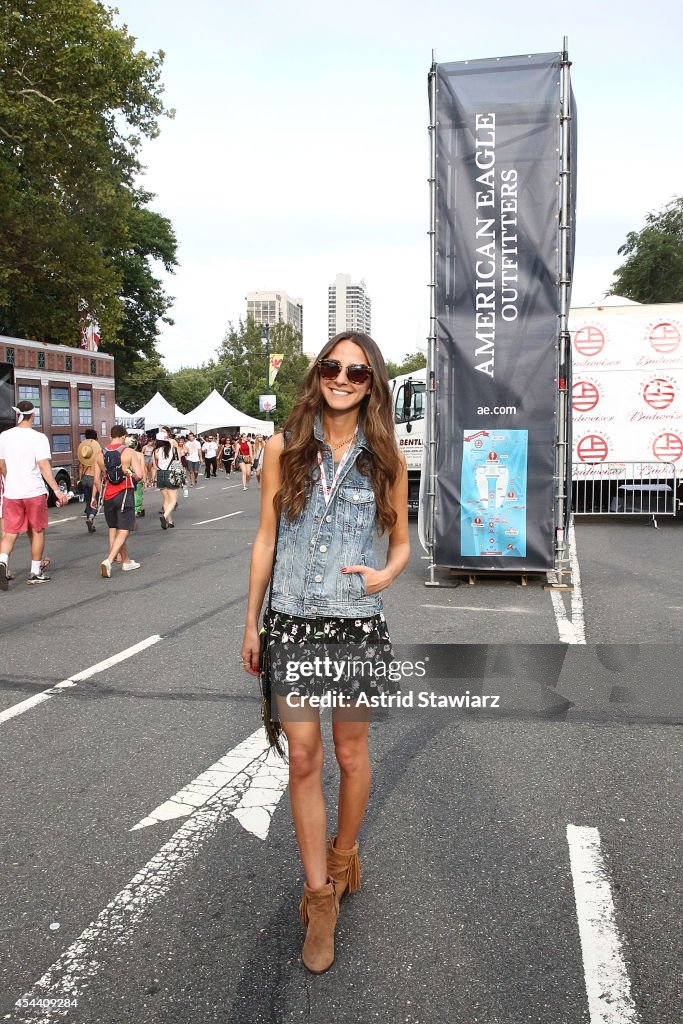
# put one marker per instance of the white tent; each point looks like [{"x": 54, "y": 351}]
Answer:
[
  {"x": 160, "y": 413},
  {"x": 215, "y": 413},
  {"x": 121, "y": 414}
]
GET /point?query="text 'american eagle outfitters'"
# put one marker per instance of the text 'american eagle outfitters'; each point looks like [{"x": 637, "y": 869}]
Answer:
[{"x": 496, "y": 259}]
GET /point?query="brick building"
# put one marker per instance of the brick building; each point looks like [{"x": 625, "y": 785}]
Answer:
[{"x": 72, "y": 390}]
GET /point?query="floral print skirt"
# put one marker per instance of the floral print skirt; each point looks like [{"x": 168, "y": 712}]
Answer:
[{"x": 337, "y": 656}]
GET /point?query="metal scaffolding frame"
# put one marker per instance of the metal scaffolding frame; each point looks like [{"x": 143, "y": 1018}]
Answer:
[
  {"x": 563, "y": 413},
  {"x": 431, "y": 341}
]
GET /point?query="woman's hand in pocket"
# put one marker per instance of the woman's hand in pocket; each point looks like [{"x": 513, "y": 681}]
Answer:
[{"x": 374, "y": 580}]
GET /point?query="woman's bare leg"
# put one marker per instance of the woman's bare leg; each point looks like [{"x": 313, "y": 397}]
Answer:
[
  {"x": 351, "y": 751},
  {"x": 306, "y": 796},
  {"x": 170, "y": 500}
]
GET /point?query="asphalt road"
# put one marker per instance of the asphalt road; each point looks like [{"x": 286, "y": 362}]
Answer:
[{"x": 470, "y": 908}]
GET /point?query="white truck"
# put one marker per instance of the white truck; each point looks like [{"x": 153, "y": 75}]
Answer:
[
  {"x": 408, "y": 392},
  {"x": 627, "y": 407}
]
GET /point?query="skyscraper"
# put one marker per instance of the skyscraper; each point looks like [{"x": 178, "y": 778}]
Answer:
[
  {"x": 348, "y": 306},
  {"x": 276, "y": 308}
]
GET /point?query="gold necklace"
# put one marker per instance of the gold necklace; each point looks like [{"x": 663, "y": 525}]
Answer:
[{"x": 342, "y": 443}]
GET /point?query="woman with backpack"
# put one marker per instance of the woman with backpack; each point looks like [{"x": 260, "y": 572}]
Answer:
[{"x": 165, "y": 453}]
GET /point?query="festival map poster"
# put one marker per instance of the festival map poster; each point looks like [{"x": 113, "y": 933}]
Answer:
[{"x": 493, "y": 487}]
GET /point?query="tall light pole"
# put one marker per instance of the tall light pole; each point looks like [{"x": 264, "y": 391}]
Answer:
[{"x": 265, "y": 337}]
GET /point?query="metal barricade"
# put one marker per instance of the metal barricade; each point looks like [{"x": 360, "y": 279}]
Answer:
[{"x": 625, "y": 489}]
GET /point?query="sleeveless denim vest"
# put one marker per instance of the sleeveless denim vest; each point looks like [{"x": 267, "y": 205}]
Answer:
[{"x": 313, "y": 547}]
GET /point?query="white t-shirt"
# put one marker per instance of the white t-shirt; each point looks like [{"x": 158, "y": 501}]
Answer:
[
  {"x": 23, "y": 448},
  {"x": 210, "y": 449},
  {"x": 193, "y": 451}
]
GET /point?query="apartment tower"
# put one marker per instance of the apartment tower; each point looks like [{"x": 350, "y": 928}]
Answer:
[
  {"x": 276, "y": 308},
  {"x": 348, "y": 306}
]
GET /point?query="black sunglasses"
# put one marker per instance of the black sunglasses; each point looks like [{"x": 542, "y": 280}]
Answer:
[{"x": 357, "y": 373}]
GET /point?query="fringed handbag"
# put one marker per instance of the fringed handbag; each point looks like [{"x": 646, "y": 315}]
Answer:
[{"x": 273, "y": 728}]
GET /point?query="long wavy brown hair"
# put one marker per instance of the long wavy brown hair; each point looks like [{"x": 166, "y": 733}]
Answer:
[{"x": 299, "y": 459}]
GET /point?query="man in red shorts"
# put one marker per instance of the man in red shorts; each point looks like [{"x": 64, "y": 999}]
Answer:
[{"x": 24, "y": 462}]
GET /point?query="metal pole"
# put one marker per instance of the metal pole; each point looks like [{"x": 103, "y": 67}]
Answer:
[
  {"x": 265, "y": 336},
  {"x": 431, "y": 341},
  {"x": 562, "y": 454}
]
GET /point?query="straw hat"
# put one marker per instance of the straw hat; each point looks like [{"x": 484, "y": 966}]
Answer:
[{"x": 87, "y": 452}]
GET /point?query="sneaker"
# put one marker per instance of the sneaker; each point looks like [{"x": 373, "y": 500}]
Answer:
[
  {"x": 129, "y": 566},
  {"x": 38, "y": 578},
  {"x": 4, "y": 575},
  {"x": 105, "y": 568},
  {"x": 91, "y": 526}
]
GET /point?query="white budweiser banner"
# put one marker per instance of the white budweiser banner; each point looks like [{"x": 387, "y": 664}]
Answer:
[{"x": 627, "y": 387}]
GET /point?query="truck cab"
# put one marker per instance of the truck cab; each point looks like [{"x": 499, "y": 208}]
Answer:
[{"x": 409, "y": 399}]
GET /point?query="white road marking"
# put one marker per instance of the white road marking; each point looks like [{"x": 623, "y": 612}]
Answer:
[
  {"x": 69, "y": 977},
  {"x": 607, "y": 983},
  {"x": 101, "y": 666},
  {"x": 577, "y": 594},
  {"x": 266, "y": 776},
  {"x": 571, "y": 631},
  {"x": 479, "y": 608},
  {"x": 230, "y": 487},
  {"x": 69, "y": 519},
  {"x": 218, "y": 518}
]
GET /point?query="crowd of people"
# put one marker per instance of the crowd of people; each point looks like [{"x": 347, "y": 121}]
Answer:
[
  {"x": 112, "y": 480},
  {"x": 214, "y": 452}
]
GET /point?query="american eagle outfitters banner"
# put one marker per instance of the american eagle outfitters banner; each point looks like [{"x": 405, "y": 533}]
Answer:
[{"x": 497, "y": 304}]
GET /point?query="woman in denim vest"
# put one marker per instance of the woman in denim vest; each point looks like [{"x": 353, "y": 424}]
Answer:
[{"x": 331, "y": 481}]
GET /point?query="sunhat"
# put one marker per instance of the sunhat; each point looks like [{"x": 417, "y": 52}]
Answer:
[{"x": 86, "y": 453}]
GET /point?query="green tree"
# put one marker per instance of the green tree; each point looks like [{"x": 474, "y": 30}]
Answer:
[
  {"x": 653, "y": 270},
  {"x": 189, "y": 386},
  {"x": 145, "y": 377},
  {"x": 242, "y": 359},
  {"x": 151, "y": 242},
  {"x": 412, "y": 362},
  {"x": 76, "y": 101}
]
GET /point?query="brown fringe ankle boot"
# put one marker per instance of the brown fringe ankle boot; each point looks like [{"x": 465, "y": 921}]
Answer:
[
  {"x": 319, "y": 909},
  {"x": 344, "y": 867}
]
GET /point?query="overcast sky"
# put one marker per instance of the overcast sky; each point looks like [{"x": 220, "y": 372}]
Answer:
[{"x": 299, "y": 147}]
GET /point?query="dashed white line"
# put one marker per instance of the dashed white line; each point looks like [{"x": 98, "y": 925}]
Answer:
[
  {"x": 256, "y": 798},
  {"x": 607, "y": 983},
  {"x": 68, "y": 519},
  {"x": 101, "y": 666},
  {"x": 70, "y": 975},
  {"x": 218, "y": 518}
]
